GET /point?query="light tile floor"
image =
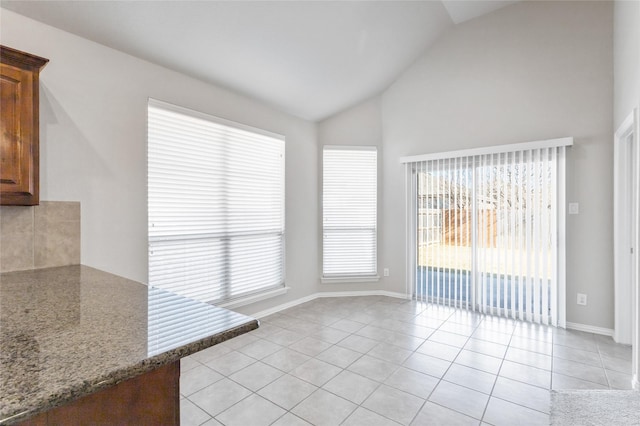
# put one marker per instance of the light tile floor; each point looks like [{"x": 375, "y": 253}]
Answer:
[{"x": 384, "y": 361}]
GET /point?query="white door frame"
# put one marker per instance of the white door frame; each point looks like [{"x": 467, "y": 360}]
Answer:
[
  {"x": 623, "y": 239},
  {"x": 627, "y": 235}
]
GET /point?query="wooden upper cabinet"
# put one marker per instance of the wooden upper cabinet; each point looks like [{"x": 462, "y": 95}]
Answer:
[{"x": 19, "y": 113}]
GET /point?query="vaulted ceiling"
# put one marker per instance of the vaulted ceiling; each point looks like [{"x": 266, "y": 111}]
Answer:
[{"x": 311, "y": 59}]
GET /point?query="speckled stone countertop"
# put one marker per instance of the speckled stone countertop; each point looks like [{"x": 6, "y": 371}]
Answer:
[{"x": 69, "y": 331}]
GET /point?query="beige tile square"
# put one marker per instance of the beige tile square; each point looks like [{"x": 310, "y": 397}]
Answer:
[
  {"x": 58, "y": 211},
  {"x": 560, "y": 381},
  {"x": 505, "y": 413},
  {"x": 362, "y": 416},
  {"x": 471, "y": 378},
  {"x": 466, "y": 401},
  {"x": 16, "y": 252},
  {"x": 56, "y": 234},
  {"x": 434, "y": 414},
  {"x": 316, "y": 372},
  {"x": 347, "y": 325},
  {"x": 580, "y": 371},
  {"x": 287, "y": 391},
  {"x": 480, "y": 361},
  {"x": 219, "y": 396},
  {"x": 538, "y": 346},
  {"x": 391, "y": 353},
  {"x": 191, "y": 414},
  {"x": 290, "y": 420},
  {"x": 533, "y": 359},
  {"x": 310, "y": 346},
  {"x": 260, "y": 349},
  {"x": 439, "y": 350},
  {"x": 324, "y": 408},
  {"x": 286, "y": 359},
  {"x": 330, "y": 335},
  {"x": 16, "y": 219},
  {"x": 619, "y": 380},
  {"x": 394, "y": 404},
  {"x": 524, "y": 394},
  {"x": 617, "y": 364},
  {"x": 256, "y": 376},
  {"x": 576, "y": 355},
  {"x": 197, "y": 378},
  {"x": 427, "y": 364},
  {"x": 413, "y": 382},
  {"x": 526, "y": 374},
  {"x": 447, "y": 338},
  {"x": 230, "y": 363},
  {"x": 487, "y": 348},
  {"x": 16, "y": 238},
  {"x": 373, "y": 368},
  {"x": 187, "y": 363},
  {"x": 285, "y": 337},
  {"x": 339, "y": 356},
  {"x": 351, "y": 386},
  {"x": 254, "y": 411},
  {"x": 358, "y": 343}
]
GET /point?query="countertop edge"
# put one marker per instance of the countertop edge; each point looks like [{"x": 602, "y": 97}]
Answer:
[{"x": 117, "y": 376}]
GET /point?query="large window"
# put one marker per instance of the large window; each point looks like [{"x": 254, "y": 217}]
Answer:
[
  {"x": 486, "y": 229},
  {"x": 216, "y": 205},
  {"x": 349, "y": 202}
]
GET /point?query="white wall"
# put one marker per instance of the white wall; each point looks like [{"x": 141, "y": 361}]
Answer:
[
  {"x": 93, "y": 147},
  {"x": 626, "y": 59},
  {"x": 530, "y": 71}
]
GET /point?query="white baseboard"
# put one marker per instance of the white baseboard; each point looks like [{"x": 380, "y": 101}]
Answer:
[
  {"x": 283, "y": 306},
  {"x": 314, "y": 296},
  {"x": 590, "y": 329},
  {"x": 362, "y": 293}
]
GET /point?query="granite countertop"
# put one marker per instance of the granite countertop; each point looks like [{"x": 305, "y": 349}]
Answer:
[{"x": 70, "y": 331}]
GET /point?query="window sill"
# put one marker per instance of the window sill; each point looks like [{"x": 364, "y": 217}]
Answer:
[
  {"x": 354, "y": 279},
  {"x": 254, "y": 298}
]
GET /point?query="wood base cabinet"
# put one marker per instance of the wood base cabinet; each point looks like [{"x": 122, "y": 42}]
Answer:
[
  {"x": 19, "y": 118},
  {"x": 150, "y": 399}
]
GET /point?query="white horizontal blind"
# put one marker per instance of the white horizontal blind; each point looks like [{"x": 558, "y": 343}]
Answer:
[
  {"x": 486, "y": 231},
  {"x": 349, "y": 211},
  {"x": 216, "y": 205}
]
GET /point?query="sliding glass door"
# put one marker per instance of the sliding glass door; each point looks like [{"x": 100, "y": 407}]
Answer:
[
  {"x": 485, "y": 230},
  {"x": 444, "y": 213}
]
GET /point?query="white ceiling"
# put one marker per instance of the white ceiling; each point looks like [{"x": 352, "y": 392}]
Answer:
[{"x": 311, "y": 59}]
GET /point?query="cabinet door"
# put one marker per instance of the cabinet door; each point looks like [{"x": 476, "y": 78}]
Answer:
[{"x": 18, "y": 144}]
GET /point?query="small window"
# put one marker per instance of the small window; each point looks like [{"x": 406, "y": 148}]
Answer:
[
  {"x": 216, "y": 205},
  {"x": 349, "y": 212}
]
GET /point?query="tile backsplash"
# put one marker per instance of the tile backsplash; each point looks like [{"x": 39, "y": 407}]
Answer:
[{"x": 33, "y": 237}]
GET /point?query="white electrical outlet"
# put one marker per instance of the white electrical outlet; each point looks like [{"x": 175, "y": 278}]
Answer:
[
  {"x": 386, "y": 272},
  {"x": 582, "y": 299},
  {"x": 574, "y": 208}
]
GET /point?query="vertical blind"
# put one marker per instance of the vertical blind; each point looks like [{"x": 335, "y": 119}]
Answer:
[
  {"x": 485, "y": 231},
  {"x": 216, "y": 205},
  {"x": 349, "y": 211}
]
